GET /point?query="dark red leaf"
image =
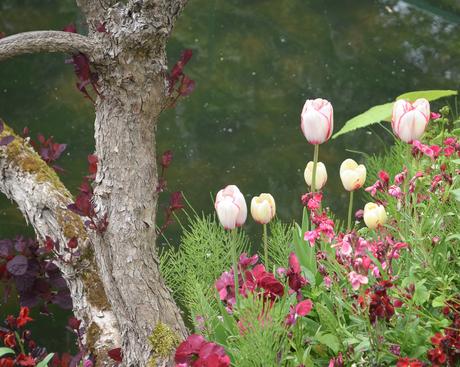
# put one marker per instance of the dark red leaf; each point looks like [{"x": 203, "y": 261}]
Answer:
[
  {"x": 73, "y": 243},
  {"x": 74, "y": 323},
  {"x": 101, "y": 27},
  {"x": 115, "y": 354},
  {"x": 186, "y": 56}
]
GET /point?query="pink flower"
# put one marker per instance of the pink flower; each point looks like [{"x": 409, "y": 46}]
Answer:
[
  {"x": 311, "y": 237},
  {"x": 301, "y": 309},
  {"x": 400, "y": 177},
  {"x": 317, "y": 120},
  {"x": 409, "y": 120},
  {"x": 377, "y": 186},
  {"x": 357, "y": 279},
  {"x": 435, "y": 115},
  {"x": 231, "y": 207},
  {"x": 344, "y": 246},
  {"x": 430, "y": 151},
  {"x": 197, "y": 352},
  {"x": 395, "y": 191}
]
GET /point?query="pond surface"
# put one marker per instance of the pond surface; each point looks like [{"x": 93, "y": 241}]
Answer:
[{"x": 255, "y": 62}]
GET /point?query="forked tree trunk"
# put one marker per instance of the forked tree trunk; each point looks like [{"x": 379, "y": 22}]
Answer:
[{"x": 130, "y": 62}]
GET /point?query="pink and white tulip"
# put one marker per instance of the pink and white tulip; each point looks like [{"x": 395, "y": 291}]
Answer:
[
  {"x": 317, "y": 120},
  {"x": 231, "y": 207},
  {"x": 409, "y": 120}
]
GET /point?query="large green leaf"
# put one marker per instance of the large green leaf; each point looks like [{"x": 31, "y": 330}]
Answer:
[
  {"x": 46, "y": 360},
  {"x": 430, "y": 95},
  {"x": 383, "y": 112},
  {"x": 371, "y": 116},
  {"x": 5, "y": 350}
]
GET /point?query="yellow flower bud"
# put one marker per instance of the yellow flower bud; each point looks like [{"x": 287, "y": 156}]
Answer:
[
  {"x": 352, "y": 175},
  {"x": 374, "y": 215},
  {"x": 263, "y": 208}
]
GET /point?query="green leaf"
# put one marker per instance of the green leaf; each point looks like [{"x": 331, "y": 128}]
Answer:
[
  {"x": 439, "y": 301},
  {"x": 456, "y": 194},
  {"x": 430, "y": 95},
  {"x": 45, "y": 361},
  {"x": 327, "y": 318},
  {"x": 421, "y": 294},
  {"x": 371, "y": 116},
  {"x": 5, "y": 350},
  {"x": 383, "y": 112},
  {"x": 329, "y": 340}
]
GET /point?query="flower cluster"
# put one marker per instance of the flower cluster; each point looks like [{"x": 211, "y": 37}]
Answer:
[{"x": 195, "y": 351}]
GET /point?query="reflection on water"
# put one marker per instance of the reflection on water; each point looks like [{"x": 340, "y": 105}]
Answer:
[{"x": 255, "y": 62}]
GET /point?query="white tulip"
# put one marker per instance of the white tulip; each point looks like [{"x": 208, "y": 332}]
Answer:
[
  {"x": 352, "y": 175},
  {"x": 321, "y": 175},
  {"x": 263, "y": 208},
  {"x": 374, "y": 215}
]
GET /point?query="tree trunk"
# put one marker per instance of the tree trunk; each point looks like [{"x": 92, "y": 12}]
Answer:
[
  {"x": 132, "y": 94},
  {"x": 128, "y": 54}
]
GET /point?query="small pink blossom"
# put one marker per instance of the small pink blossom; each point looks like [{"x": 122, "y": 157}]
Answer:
[
  {"x": 395, "y": 191},
  {"x": 435, "y": 115},
  {"x": 357, "y": 280},
  {"x": 311, "y": 237}
]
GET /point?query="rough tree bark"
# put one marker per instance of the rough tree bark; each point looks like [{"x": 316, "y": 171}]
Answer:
[{"x": 132, "y": 300}]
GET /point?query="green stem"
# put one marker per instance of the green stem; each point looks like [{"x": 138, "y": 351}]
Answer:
[
  {"x": 350, "y": 210},
  {"x": 234, "y": 236},
  {"x": 315, "y": 164},
  {"x": 265, "y": 246}
]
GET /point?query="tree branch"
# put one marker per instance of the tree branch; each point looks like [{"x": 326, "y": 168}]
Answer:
[
  {"x": 26, "y": 179},
  {"x": 44, "y": 41}
]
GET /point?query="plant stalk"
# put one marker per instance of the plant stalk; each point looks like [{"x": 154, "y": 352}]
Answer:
[
  {"x": 315, "y": 164},
  {"x": 233, "y": 239},
  {"x": 350, "y": 210},
  {"x": 265, "y": 239}
]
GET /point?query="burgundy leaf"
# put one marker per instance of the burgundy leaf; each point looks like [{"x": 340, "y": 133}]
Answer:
[
  {"x": 101, "y": 27},
  {"x": 17, "y": 265},
  {"x": 2, "y": 35},
  {"x": 115, "y": 354},
  {"x": 28, "y": 299}
]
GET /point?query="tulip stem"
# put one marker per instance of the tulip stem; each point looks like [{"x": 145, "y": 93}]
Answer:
[
  {"x": 350, "y": 210},
  {"x": 315, "y": 164},
  {"x": 234, "y": 238},
  {"x": 265, "y": 246}
]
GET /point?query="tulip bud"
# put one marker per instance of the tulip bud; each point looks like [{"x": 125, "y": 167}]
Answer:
[
  {"x": 409, "y": 120},
  {"x": 317, "y": 120},
  {"x": 231, "y": 207},
  {"x": 352, "y": 175},
  {"x": 263, "y": 208},
  {"x": 374, "y": 215},
  {"x": 321, "y": 175}
]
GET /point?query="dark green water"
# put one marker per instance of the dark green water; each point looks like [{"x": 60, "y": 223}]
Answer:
[{"x": 255, "y": 63}]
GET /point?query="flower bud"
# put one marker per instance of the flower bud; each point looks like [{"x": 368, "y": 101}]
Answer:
[
  {"x": 374, "y": 215},
  {"x": 321, "y": 175},
  {"x": 352, "y": 175},
  {"x": 231, "y": 207},
  {"x": 409, "y": 120},
  {"x": 317, "y": 120},
  {"x": 263, "y": 208}
]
